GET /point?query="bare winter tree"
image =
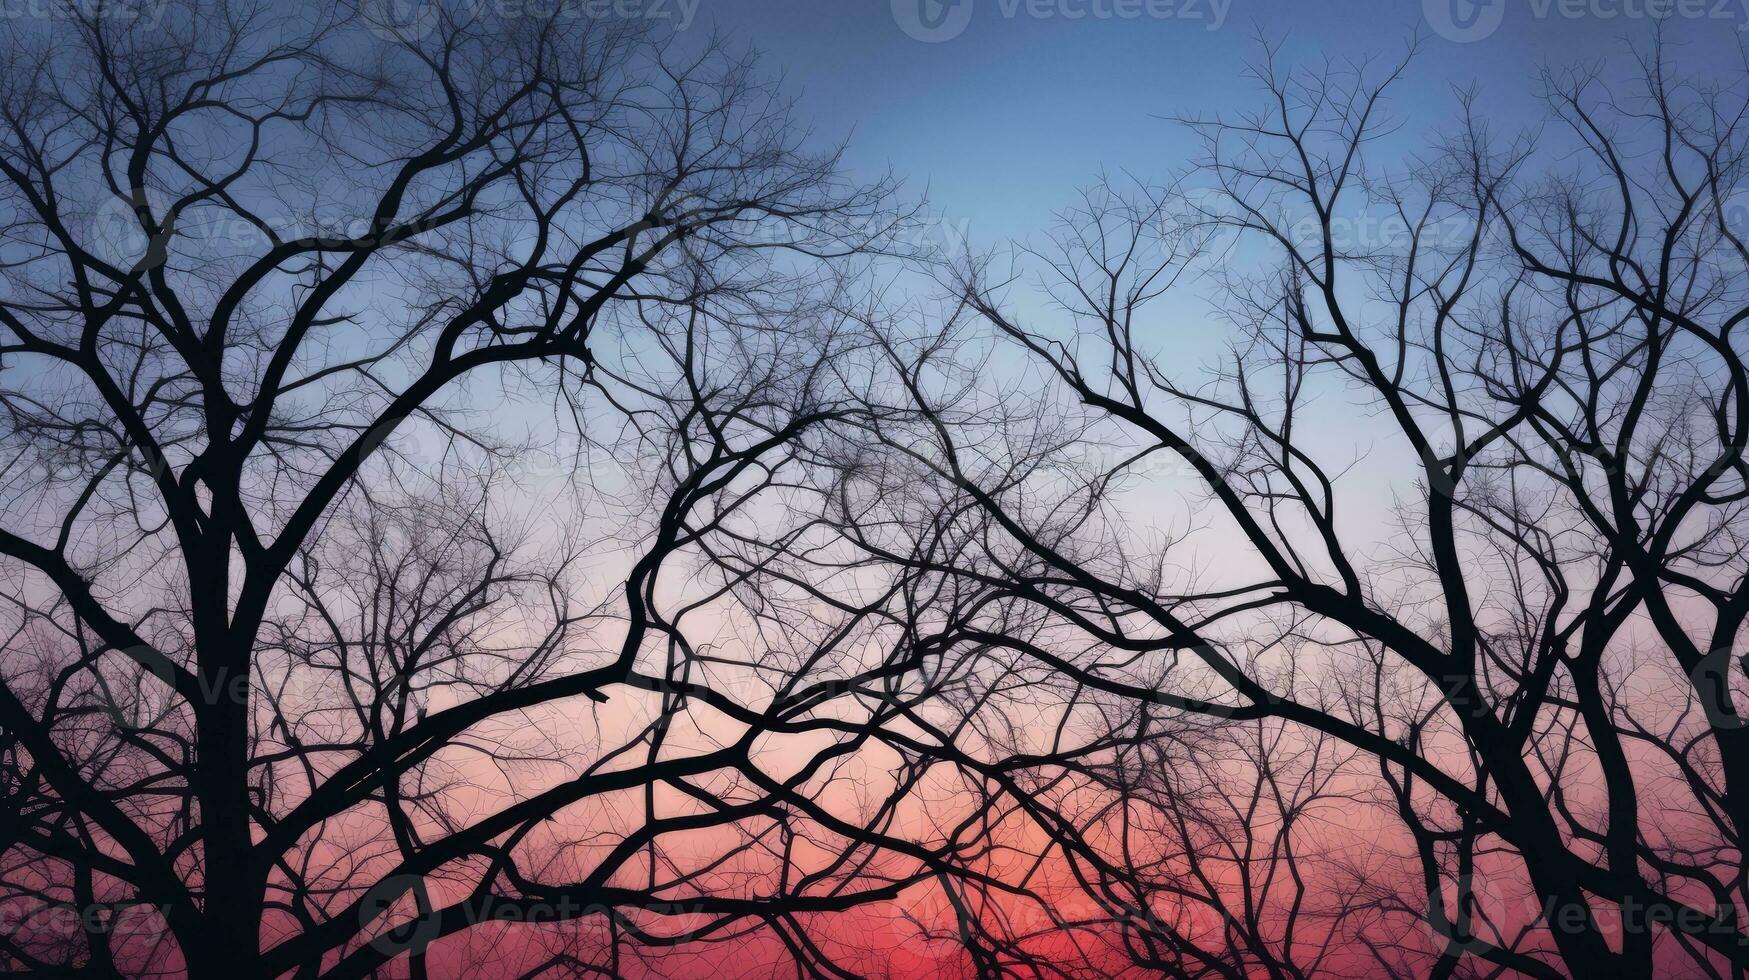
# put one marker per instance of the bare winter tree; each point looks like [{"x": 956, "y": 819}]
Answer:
[
  {"x": 1530, "y": 355},
  {"x": 301, "y": 674},
  {"x": 468, "y": 504}
]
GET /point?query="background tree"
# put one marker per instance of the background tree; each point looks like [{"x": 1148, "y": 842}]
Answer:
[
  {"x": 1540, "y": 343},
  {"x": 279, "y": 285}
]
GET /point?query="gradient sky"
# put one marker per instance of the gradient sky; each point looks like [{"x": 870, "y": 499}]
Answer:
[{"x": 1001, "y": 122}]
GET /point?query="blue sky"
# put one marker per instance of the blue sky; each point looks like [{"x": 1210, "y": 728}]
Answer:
[
  {"x": 1029, "y": 99},
  {"x": 1025, "y": 102}
]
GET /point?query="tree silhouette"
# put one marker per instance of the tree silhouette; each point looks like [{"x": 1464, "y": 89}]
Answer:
[
  {"x": 476, "y": 503},
  {"x": 1539, "y": 658},
  {"x": 274, "y": 645}
]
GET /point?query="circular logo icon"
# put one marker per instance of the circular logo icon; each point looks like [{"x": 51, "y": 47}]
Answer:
[
  {"x": 402, "y": 21},
  {"x": 1464, "y": 21},
  {"x": 1213, "y": 220},
  {"x": 410, "y": 935},
  {"x": 135, "y": 705},
  {"x": 1733, "y": 222},
  {"x": 117, "y": 235},
  {"x": 1711, "y": 679},
  {"x": 932, "y": 21}
]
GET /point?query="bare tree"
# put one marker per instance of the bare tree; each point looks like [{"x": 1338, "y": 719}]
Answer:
[
  {"x": 1538, "y": 652},
  {"x": 293, "y": 671},
  {"x": 461, "y": 479}
]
